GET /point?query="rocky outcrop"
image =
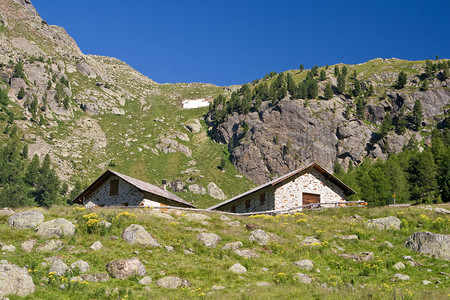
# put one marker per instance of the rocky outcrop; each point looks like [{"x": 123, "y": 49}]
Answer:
[
  {"x": 384, "y": 223},
  {"x": 15, "y": 280},
  {"x": 259, "y": 236},
  {"x": 430, "y": 243},
  {"x": 215, "y": 192},
  {"x": 26, "y": 219},
  {"x": 194, "y": 125},
  {"x": 136, "y": 234},
  {"x": 124, "y": 268},
  {"x": 56, "y": 228}
]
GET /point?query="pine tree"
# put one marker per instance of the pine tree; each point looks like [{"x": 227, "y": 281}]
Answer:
[
  {"x": 4, "y": 99},
  {"x": 322, "y": 76},
  {"x": 428, "y": 68},
  {"x": 21, "y": 93},
  {"x": 340, "y": 84},
  {"x": 386, "y": 125},
  {"x": 344, "y": 70},
  {"x": 301, "y": 68},
  {"x": 328, "y": 91},
  {"x": 313, "y": 89},
  {"x": 401, "y": 81},
  {"x": 424, "y": 86},
  {"x": 357, "y": 90},
  {"x": 336, "y": 70},
  {"x": 360, "y": 108},
  {"x": 47, "y": 185},
  {"x": 32, "y": 171},
  {"x": 18, "y": 71},
  {"x": 291, "y": 86},
  {"x": 422, "y": 177},
  {"x": 417, "y": 115}
]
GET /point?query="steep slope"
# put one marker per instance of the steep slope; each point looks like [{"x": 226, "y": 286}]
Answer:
[
  {"x": 275, "y": 137},
  {"x": 91, "y": 112}
]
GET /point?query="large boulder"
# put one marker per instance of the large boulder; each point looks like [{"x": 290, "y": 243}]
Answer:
[
  {"x": 136, "y": 234},
  {"x": 15, "y": 280},
  {"x": 215, "y": 192},
  {"x": 58, "y": 267},
  {"x": 384, "y": 223},
  {"x": 237, "y": 268},
  {"x": 306, "y": 264},
  {"x": 431, "y": 243},
  {"x": 81, "y": 265},
  {"x": 171, "y": 282},
  {"x": 209, "y": 239},
  {"x": 50, "y": 246},
  {"x": 56, "y": 228},
  {"x": 124, "y": 268},
  {"x": 259, "y": 236},
  {"x": 26, "y": 219},
  {"x": 194, "y": 125},
  {"x": 6, "y": 211}
]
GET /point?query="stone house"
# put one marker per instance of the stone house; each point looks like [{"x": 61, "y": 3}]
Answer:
[
  {"x": 311, "y": 184},
  {"x": 115, "y": 189}
]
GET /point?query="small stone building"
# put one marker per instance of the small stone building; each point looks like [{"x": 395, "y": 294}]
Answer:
[
  {"x": 311, "y": 184},
  {"x": 115, "y": 189}
]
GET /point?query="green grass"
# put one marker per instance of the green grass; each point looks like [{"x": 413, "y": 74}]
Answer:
[{"x": 334, "y": 277}]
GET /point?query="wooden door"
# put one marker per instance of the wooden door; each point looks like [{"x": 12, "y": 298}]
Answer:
[{"x": 309, "y": 199}]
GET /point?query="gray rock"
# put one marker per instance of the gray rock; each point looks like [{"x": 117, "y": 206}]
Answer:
[
  {"x": 171, "y": 282},
  {"x": 384, "y": 223},
  {"x": 441, "y": 210},
  {"x": 237, "y": 268},
  {"x": 59, "y": 267},
  {"x": 96, "y": 246},
  {"x": 387, "y": 244},
  {"x": 6, "y": 211},
  {"x": 193, "y": 125},
  {"x": 302, "y": 278},
  {"x": 246, "y": 253},
  {"x": 196, "y": 217},
  {"x": 124, "y": 268},
  {"x": 217, "y": 288},
  {"x": 56, "y": 228},
  {"x": 210, "y": 240},
  {"x": 362, "y": 256},
  {"x": 9, "y": 248},
  {"x": 50, "y": 246},
  {"x": 177, "y": 186},
  {"x": 15, "y": 280},
  {"x": 136, "y": 234},
  {"x": 408, "y": 257},
  {"x": 26, "y": 219},
  {"x": 81, "y": 265},
  {"x": 105, "y": 223},
  {"x": 28, "y": 246},
  {"x": 188, "y": 252},
  {"x": 426, "y": 282},
  {"x": 430, "y": 243},
  {"x": 399, "y": 276},
  {"x": 305, "y": 264},
  {"x": 146, "y": 280},
  {"x": 158, "y": 214},
  {"x": 259, "y": 236},
  {"x": 399, "y": 266},
  {"x": 232, "y": 246},
  {"x": 234, "y": 223},
  {"x": 215, "y": 192},
  {"x": 263, "y": 284},
  {"x": 197, "y": 189},
  {"x": 96, "y": 277},
  {"x": 310, "y": 241},
  {"x": 224, "y": 218},
  {"x": 347, "y": 237},
  {"x": 169, "y": 248}
]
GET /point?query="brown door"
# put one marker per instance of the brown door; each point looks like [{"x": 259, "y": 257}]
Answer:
[{"x": 309, "y": 199}]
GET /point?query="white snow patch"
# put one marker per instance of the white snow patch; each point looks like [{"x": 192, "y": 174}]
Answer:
[{"x": 195, "y": 103}]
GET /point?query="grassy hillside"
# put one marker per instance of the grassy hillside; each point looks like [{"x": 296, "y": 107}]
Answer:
[{"x": 333, "y": 276}]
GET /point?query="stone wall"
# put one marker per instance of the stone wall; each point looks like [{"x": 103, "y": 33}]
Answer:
[
  {"x": 127, "y": 194},
  {"x": 240, "y": 205},
  {"x": 313, "y": 182}
]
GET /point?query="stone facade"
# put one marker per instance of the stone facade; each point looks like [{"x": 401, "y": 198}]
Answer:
[{"x": 288, "y": 194}]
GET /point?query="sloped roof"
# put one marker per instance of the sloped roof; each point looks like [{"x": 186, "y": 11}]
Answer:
[
  {"x": 139, "y": 184},
  {"x": 347, "y": 190}
]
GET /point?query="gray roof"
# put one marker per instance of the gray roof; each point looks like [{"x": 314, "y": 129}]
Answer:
[
  {"x": 139, "y": 184},
  {"x": 347, "y": 190}
]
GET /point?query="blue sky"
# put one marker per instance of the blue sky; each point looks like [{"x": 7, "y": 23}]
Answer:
[{"x": 234, "y": 42}]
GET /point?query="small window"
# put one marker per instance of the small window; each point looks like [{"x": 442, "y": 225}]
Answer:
[
  {"x": 125, "y": 204},
  {"x": 262, "y": 198},
  {"x": 247, "y": 204},
  {"x": 114, "y": 187},
  {"x": 233, "y": 209}
]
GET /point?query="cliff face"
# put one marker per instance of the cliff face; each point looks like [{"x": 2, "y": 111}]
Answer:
[{"x": 292, "y": 133}]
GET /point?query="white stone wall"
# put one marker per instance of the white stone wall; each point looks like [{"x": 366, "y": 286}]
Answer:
[
  {"x": 290, "y": 194},
  {"x": 269, "y": 203},
  {"x": 127, "y": 194}
]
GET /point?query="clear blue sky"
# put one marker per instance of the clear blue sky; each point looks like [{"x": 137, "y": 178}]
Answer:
[{"x": 234, "y": 42}]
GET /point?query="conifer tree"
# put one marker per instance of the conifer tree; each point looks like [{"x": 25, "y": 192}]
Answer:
[
  {"x": 328, "y": 91},
  {"x": 357, "y": 90},
  {"x": 344, "y": 70},
  {"x": 18, "y": 71},
  {"x": 301, "y": 68},
  {"x": 322, "y": 76},
  {"x": 428, "y": 68},
  {"x": 336, "y": 70},
  {"x": 21, "y": 93},
  {"x": 401, "y": 81},
  {"x": 313, "y": 89},
  {"x": 417, "y": 115},
  {"x": 424, "y": 86},
  {"x": 340, "y": 84},
  {"x": 291, "y": 86}
]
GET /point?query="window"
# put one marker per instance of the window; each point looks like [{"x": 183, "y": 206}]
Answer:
[
  {"x": 114, "y": 187},
  {"x": 247, "y": 204},
  {"x": 262, "y": 198}
]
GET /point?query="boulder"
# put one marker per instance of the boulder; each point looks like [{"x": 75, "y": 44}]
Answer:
[
  {"x": 224, "y": 218},
  {"x": 196, "y": 217},
  {"x": 237, "y": 268},
  {"x": 399, "y": 266},
  {"x": 6, "y": 211},
  {"x": 96, "y": 246},
  {"x": 259, "y": 236},
  {"x": 232, "y": 246},
  {"x": 56, "y": 228},
  {"x": 246, "y": 253},
  {"x": 193, "y": 125},
  {"x": 234, "y": 223},
  {"x": 124, "y": 268},
  {"x": 310, "y": 241},
  {"x": 177, "y": 186},
  {"x": 50, "y": 246},
  {"x": 171, "y": 282},
  {"x": 197, "y": 189},
  {"x": 158, "y": 214},
  {"x": 146, "y": 280},
  {"x": 26, "y": 219},
  {"x": 261, "y": 284},
  {"x": 28, "y": 246},
  {"x": 217, "y": 288},
  {"x": 9, "y": 248},
  {"x": 435, "y": 244},
  {"x": 136, "y": 234},
  {"x": 96, "y": 277},
  {"x": 58, "y": 267},
  {"x": 362, "y": 256},
  {"x": 401, "y": 277},
  {"x": 347, "y": 237},
  {"x": 209, "y": 239},
  {"x": 104, "y": 223},
  {"x": 215, "y": 192},
  {"x": 387, "y": 244},
  {"x": 384, "y": 223},
  {"x": 15, "y": 280},
  {"x": 305, "y": 264},
  {"x": 302, "y": 278},
  {"x": 81, "y": 265},
  {"x": 441, "y": 210}
]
